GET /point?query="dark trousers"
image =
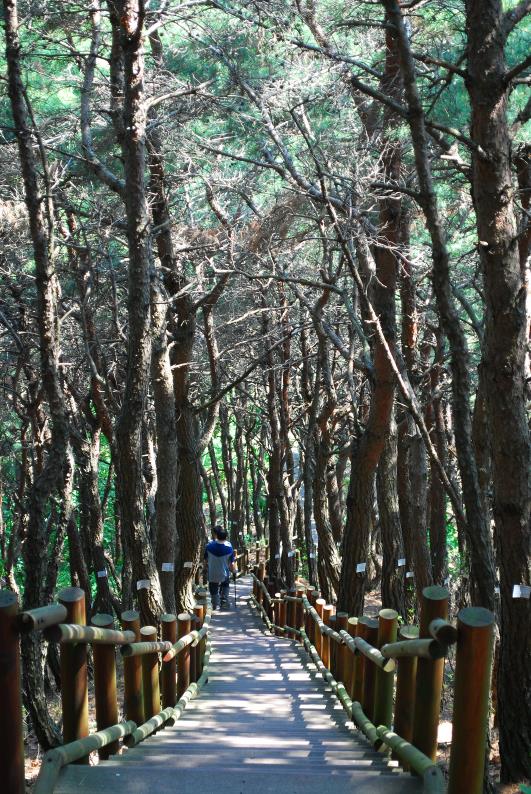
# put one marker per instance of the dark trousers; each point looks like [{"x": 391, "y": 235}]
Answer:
[{"x": 218, "y": 589}]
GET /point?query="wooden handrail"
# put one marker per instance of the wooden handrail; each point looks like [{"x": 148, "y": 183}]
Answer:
[
  {"x": 42, "y": 617},
  {"x": 429, "y": 649},
  {"x": 359, "y": 645},
  {"x": 55, "y": 759},
  {"x": 65, "y": 622},
  {"x": 427, "y": 769},
  {"x": 141, "y": 648},
  {"x": 74, "y": 634},
  {"x": 323, "y": 628},
  {"x": 422, "y": 649},
  {"x": 171, "y": 652}
]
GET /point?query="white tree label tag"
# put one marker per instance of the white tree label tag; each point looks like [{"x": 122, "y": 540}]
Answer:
[
  {"x": 168, "y": 566},
  {"x": 361, "y": 567},
  {"x": 188, "y": 565},
  {"x": 143, "y": 584},
  {"x": 401, "y": 562},
  {"x": 102, "y": 574}
]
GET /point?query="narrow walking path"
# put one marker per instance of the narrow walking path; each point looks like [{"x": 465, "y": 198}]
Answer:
[{"x": 263, "y": 723}]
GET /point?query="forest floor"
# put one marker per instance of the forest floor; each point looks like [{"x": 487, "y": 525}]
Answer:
[{"x": 34, "y": 755}]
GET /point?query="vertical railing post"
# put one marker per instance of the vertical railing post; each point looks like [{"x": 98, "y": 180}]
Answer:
[
  {"x": 405, "y": 688},
  {"x": 299, "y": 610},
  {"x": 283, "y": 611},
  {"x": 199, "y": 612},
  {"x": 271, "y": 606},
  {"x": 473, "y": 662},
  {"x": 168, "y": 673},
  {"x": 359, "y": 667},
  {"x": 133, "y": 692},
  {"x": 260, "y": 575},
  {"x": 350, "y": 658},
  {"x": 105, "y": 685},
  {"x": 369, "y": 674},
  {"x": 328, "y": 611},
  {"x": 194, "y": 674},
  {"x": 320, "y": 604},
  {"x": 184, "y": 621},
  {"x": 310, "y": 622},
  {"x": 277, "y": 614},
  {"x": 11, "y": 723},
  {"x": 74, "y": 681},
  {"x": 341, "y": 650},
  {"x": 150, "y": 674},
  {"x": 429, "y": 675},
  {"x": 332, "y": 619},
  {"x": 383, "y": 699},
  {"x": 291, "y": 612}
]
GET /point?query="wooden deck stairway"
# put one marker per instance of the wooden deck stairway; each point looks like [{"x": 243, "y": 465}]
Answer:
[
  {"x": 261, "y": 724},
  {"x": 279, "y": 676}
]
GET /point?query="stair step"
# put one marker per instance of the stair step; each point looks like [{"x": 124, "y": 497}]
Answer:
[{"x": 103, "y": 779}]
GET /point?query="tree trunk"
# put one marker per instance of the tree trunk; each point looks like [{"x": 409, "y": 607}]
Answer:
[
  {"x": 207, "y": 485},
  {"x": 217, "y": 480},
  {"x": 438, "y": 548},
  {"x": 256, "y": 482},
  {"x": 329, "y": 563},
  {"x": 137, "y": 542},
  {"x": 167, "y": 461},
  {"x": 226, "y": 457},
  {"x": 92, "y": 521},
  {"x": 335, "y": 511},
  {"x": 504, "y": 368},
  {"x": 476, "y": 524},
  {"x": 418, "y": 480},
  {"x": 371, "y": 445},
  {"x": 40, "y": 213},
  {"x": 391, "y": 530}
]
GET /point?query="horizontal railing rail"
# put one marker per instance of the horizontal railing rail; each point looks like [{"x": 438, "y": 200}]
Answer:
[{"x": 389, "y": 678}]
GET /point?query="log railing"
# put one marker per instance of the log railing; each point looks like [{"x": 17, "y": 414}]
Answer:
[
  {"x": 155, "y": 693},
  {"x": 389, "y": 678}
]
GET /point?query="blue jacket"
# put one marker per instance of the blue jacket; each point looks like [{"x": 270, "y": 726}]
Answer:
[{"x": 219, "y": 554}]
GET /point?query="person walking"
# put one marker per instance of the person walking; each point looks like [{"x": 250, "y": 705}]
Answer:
[{"x": 221, "y": 561}]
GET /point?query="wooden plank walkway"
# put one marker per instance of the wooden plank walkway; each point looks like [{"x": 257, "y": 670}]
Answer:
[{"x": 265, "y": 722}]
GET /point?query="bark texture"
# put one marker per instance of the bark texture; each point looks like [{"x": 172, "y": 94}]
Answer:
[
  {"x": 137, "y": 543},
  {"x": 40, "y": 215},
  {"x": 504, "y": 368}
]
